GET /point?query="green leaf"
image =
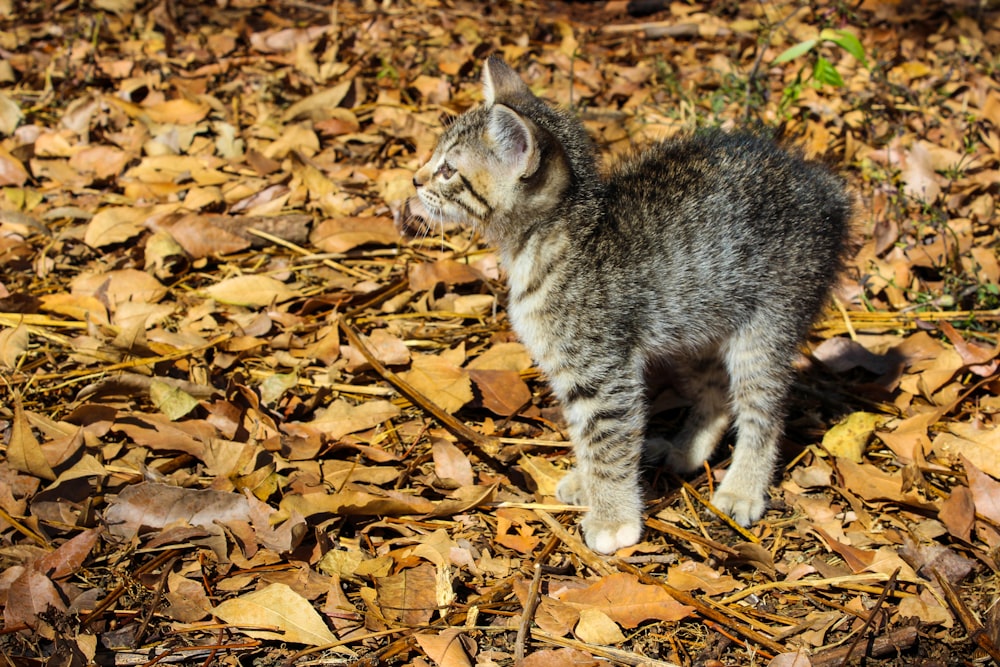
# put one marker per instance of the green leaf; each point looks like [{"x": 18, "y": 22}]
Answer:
[
  {"x": 793, "y": 52},
  {"x": 824, "y": 73},
  {"x": 846, "y": 41}
]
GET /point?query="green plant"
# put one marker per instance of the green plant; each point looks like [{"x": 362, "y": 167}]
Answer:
[{"x": 823, "y": 72}]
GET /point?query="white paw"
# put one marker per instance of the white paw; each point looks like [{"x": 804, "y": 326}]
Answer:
[
  {"x": 607, "y": 537},
  {"x": 570, "y": 489},
  {"x": 744, "y": 509}
]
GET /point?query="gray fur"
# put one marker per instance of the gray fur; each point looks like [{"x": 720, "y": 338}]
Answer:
[{"x": 712, "y": 254}]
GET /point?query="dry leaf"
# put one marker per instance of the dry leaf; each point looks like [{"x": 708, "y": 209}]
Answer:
[
  {"x": 249, "y": 291},
  {"x": 148, "y": 506},
  {"x": 451, "y": 465},
  {"x": 692, "y": 575},
  {"x": 445, "y": 648},
  {"x": 596, "y": 627},
  {"x": 849, "y": 438},
  {"x": 343, "y": 234},
  {"x": 277, "y": 606},
  {"x": 442, "y": 381},
  {"x": 23, "y": 451},
  {"x": 341, "y": 417},
  {"x": 627, "y": 601},
  {"x": 503, "y": 392}
]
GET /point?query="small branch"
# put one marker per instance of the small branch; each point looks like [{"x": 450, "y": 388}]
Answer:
[
  {"x": 575, "y": 544},
  {"x": 528, "y": 614},
  {"x": 883, "y": 645},
  {"x": 973, "y": 627},
  {"x": 457, "y": 428}
]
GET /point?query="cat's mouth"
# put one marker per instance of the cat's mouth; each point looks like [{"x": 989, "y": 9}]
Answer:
[{"x": 412, "y": 219}]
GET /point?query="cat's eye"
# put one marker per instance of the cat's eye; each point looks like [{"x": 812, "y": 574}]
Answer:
[{"x": 445, "y": 171}]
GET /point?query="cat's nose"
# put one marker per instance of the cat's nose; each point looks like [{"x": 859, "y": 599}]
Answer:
[{"x": 417, "y": 181}]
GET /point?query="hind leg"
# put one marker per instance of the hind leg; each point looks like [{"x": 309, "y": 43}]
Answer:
[
  {"x": 760, "y": 378},
  {"x": 706, "y": 383}
]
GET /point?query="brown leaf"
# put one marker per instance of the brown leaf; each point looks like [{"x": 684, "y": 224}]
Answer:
[
  {"x": 441, "y": 380},
  {"x": 445, "y": 648},
  {"x": 23, "y": 451},
  {"x": 985, "y": 491},
  {"x": 424, "y": 276},
  {"x": 70, "y": 555},
  {"x": 199, "y": 237},
  {"x": 958, "y": 513},
  {"x": 12, "y": 171},
  {"x": 251, "y": 290},
  {"x": 340, "y": 417},
  {"x": 692, "y": 575},
  {"x": 977, "y": 443},
  {"x": 355, "y": 502},
  {"x": 410, "y": 596},
  {"x": 13, "y": 344},
  {"x": 502, "y": 357},
  {"x": 871, "y": 483},
  {"x": 451, "y": 465},
  {"x": 627, "y": 601},
  {"x": 149, "y": 505},
  {"x": 562, "y": 657},
  {"x": 178, "y": 112},
  {"x": 504, "y": 392},
  {"x": 277, "y": 606},
  {"x": 343, "y": 234}
]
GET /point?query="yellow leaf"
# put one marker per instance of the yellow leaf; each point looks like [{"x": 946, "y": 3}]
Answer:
[
  {"x": 115, "y": 224},
  {"x": 849, "y": 438},
  {"x": 440, "y": 380},
  {"x": 277, "y": 606},
  {"x": 171, "y": 401},
  {"x": 596, "y": 627},
  {"x": 177, "y": 112},
  {"x": 23, "y": 451},
  {"x": 249, "y": 291}
]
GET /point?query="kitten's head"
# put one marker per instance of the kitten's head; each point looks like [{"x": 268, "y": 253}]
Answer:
[{"x": 504, "y": 163}]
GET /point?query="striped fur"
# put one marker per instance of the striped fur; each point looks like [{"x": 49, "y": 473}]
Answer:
[{"x": 711, "y": 254}]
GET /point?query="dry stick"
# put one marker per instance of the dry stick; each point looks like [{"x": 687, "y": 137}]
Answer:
[
  {"x": 687, "y": 536},
  {"x": 617, "y": 655},
  {"x": 456, "y": 427},
  {"x": 702, "y": 608},
  {"x": 155, "y": 604},
  {"x": 575, "y": 544},
  {"x": 883, "y": 645},
  {"x": 977, "y": 632},
  {"x": 528, "y": 614},
  {"x": 747, "y": 535},
  {"x": 889, "y": 585},
  {"x": 106, "y": 603}
]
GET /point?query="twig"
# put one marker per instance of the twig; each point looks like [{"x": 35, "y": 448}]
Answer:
[
  {"x": 883, "y": 645},
  {"x": 528, "y": 614},
  {"x": 155, "y": 604},
  {"x": 614, "y": 654},
  {"x": 456, "y": 427},
  {"x": 575, "y": 544},
  {"x": 687, "y": 536},
  {"x": 747, "y": 535},
  {"x": 889, "y": 585},
  {"x": 973, "y": 627}
]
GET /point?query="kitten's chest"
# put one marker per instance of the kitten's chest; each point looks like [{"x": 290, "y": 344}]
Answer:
[{"x": 539, "y": 280}]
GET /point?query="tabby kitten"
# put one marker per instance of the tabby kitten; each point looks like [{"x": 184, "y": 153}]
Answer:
[{"x": 712, "y": 254}]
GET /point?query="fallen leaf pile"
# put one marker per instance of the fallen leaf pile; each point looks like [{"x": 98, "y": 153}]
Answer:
[{"x": 245, "y": 420}]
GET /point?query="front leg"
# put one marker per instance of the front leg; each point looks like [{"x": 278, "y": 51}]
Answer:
[{"x": 607, "y": 425}]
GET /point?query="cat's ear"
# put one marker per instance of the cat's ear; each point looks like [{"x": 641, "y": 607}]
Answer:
[
  {"x": 500, "y": 82},
  {"x": 514, "y": 140}
]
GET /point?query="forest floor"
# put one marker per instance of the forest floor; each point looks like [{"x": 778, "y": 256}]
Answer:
[{"x": 245, "y": 422}]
